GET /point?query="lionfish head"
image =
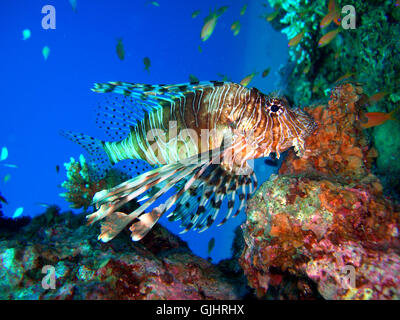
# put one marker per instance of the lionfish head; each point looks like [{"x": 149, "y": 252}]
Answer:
[{"x": 282, "y": 127}]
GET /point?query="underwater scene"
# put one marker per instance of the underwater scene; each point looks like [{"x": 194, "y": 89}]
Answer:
[{"x": 200, "y": 150}]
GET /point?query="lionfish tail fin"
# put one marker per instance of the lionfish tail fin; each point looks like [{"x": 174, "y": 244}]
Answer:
[{"x": 98, "y": 158}]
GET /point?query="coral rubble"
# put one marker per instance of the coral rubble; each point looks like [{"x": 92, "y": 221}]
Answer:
[
  {"x": 323, "y": 223},
  {"x": 159, "y": 267}
]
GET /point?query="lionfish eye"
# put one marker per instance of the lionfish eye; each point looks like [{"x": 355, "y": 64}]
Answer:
[{"x": 275, "y": 108}]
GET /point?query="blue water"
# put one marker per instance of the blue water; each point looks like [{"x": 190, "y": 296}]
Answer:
[{"x": 38, "y": 97}]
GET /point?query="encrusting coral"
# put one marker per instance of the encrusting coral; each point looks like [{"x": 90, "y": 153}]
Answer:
[
  {"x": 339, "y": 147},
  {"x": 324, "y": 219},
  {"x": 159, "y": 267}
]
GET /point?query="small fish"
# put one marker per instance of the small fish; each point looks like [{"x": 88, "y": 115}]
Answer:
[
  {"x": 327, "y": 38},
  {"x": 26, "y": 34},
  {"x": 243, "y": 10},
  {"x": 272, "y": 16},
  {"x": 235, "y": 27},
  {"x": 57, "y": 168},
  {"x": 208, "y": 28},
  {"x": 223, "y": 77},
  {"x": 2, "y": 199},
  {"x": 192, "y": 78},
  {"x": 9, "y": 165},
  {"x": 73, "y": 4},
  {"x": 377, "y": 97},
  {"x": 346, "y": 76},
  {"x": 336, "y": 18},
  {"x": 120, "y": 49},
  {"x": 247, "y": 79},
  {"x": 374, "y": 119},
  {"x": 44, "y": 205},
  {"x": 147, "y": 63},
  {"x": 326, "y": 21},
  {"x": 211, "y": 245},
  {"x": 195, "y": 14},
  {"x": 4, "y": 154},
  {"x": 221, "y": 10},
  {"x": 265, "y": 72},
  {"x": 210, "y": 22},
  {"x": 46, "y": 52},
  {"x": 154, "y": 3},
  {"x": 296, "y": 40},
  {"x": 18, "y": 212},
  {"x": 6, "y": 178},
  {"x": 331, "y": 5},
  {"x": 200, "y": 49}
]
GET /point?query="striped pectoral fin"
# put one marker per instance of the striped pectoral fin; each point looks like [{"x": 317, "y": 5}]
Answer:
[
  {"x": 112, "y": 225},
  {"x": 299, "y": 148},
  {"x": 116, "y": 221},
  {"x": 165, "y": 178},
  {"x": 199, "y": 209},
  {"x": 190, "y": 215},
  {"x": 240, "y": 187},
  {"x": 146, "y": 222},
  {"x": 139, "y": 229}
]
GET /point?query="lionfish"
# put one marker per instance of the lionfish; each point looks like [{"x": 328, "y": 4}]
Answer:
[{"x": 199, "y": 138}]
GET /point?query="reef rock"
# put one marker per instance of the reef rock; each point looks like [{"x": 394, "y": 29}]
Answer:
[
  {"x": 323, "y": 224},
  {"x": 161, "y": 266},
  {"x": 338, "y": 147}
]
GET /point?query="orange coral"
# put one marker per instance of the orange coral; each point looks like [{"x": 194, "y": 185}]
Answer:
[
  {"x": 325, "y": 212},
  {"x": 337, "y": 147}
]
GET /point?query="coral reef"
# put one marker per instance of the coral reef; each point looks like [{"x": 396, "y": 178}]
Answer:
[
  {"x": 369, "y": 54},
  {"x": 159, "y": 267},
  {"x": 323, "y": 225},
  {"x": 82, "y": 182},
  {"x": 339, "y": 147},
  {"x": 360, "y": 51}
]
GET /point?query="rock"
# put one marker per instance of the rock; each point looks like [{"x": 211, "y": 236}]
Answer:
[
  {"x": 159, "y": 267},
  {"x": 323, "y": 228}
]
